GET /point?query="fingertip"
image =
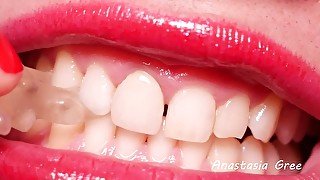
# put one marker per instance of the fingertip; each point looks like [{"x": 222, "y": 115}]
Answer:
[{"x": 9, "y": 59}]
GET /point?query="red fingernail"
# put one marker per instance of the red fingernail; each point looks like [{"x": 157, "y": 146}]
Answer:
[{"x": 9, "y": 59}]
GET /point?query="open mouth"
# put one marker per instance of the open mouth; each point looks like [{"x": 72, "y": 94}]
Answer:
[{"x": 116, "y": 91}]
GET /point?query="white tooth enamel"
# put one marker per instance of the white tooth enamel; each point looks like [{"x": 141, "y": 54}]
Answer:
[
  {"x": 190, "y": 116},
  {"x": 271, "y": 157},
  {"x": 66, "y": 74},
  {"x": 193, "y": 154},
  {"x": 232, "y": 118},
  {"x": 252, "y": 152},
  {"x": 128, "y": 143},
  {"x": 160, "y": 147},
  {"x": 97, "y": 133},
  {"x": 44, "y": 64},
  {"x": 61, "y": 136},
  {"x": 138, "y": 104},
  {"x": 225, "y": 151},
  {"x": 5, "y": 125},
  {"x": 24, "y": 120},
  {"x": 288, "y": 123},
  {"x": 264, "y": 118},
  {"x": 97, "y": 90}
]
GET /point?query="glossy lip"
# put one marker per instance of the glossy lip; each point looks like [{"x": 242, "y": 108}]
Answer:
[{"x": 195, "y": 41}]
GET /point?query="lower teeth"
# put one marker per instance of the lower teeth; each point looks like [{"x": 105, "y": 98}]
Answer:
[{"x": 81, "y": 122}]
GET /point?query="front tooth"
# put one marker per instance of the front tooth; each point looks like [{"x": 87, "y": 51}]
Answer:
[
  {"x": 160, "y": 147},
  {"x": 232, "y": 118},
  {"x": 190, "y": 116},
  {"x": 66, "y": 74},
  {"x": 271, "y": 157},
  {"x": 224, "y": 151},
  {"x": 97, "y": 133},
  {"x": 288, "y": 123},
  {"x": 138, "y": 104},
  {"x": 61, "y": 136},
  {"x": 5, "y": 125},
  {"x": 128, "y": 143},
  {"x": 252, "y": 152},
  {"x": 193, "y": 154},
  {"x": 97, "y": 90},
  {"x": 264, "y": 118},
  {"x": 24, "y": 120}
]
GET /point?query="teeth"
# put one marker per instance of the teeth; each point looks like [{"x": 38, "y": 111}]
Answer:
[
  {"x": 160, "y": 147},
  {"x": 224, "y": 151},
  {"x": 288, "y": 124},
  {"x": 24, "y": 120},
  {"x": 66, "y": 74},
  {"x": 271, "y": 157},
  {"x": 264, "y": 118},
  {"x": 5, "y": 125},
  {"x": 138, "y": 104},
  {"x": 252, "y": 152},
  {"x": 190, "y": 116},
  {"x": 97, "y": 133},
  {"x": 193, "y": 154},
  {"x": 128, "y": 143},
  {"x": 232, "y": 118},
  {"x": 44, "y": 64},
  {"x": 61, "y": 136},
  {"x": 97, "y": 90},
  {"x": 304, "y": 125}
]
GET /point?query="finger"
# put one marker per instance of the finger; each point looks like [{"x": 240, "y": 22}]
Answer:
[{"x": 10, "y": 66}]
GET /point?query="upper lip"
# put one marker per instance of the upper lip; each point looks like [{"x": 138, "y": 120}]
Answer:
[{"x": 195, "y": 41}]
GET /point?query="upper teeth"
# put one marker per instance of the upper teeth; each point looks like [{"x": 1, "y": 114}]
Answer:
[
  {"x": 190, "y": 115},
  {"x": 138, "y": 104}
]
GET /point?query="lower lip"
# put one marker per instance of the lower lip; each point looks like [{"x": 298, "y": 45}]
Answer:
[
  {"x": 203, "y": 41},
  {"x": 26, "y": 161}
]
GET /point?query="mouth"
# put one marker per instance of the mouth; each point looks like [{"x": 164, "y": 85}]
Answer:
[{"x": 160, "y": 97}]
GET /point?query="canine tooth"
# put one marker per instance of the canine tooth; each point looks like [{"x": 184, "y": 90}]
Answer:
[
  {"x": 138, "y": 104},
  {"x": 193, "y": 154},
  {"x": 24, "y": 120},
  {"x": 224, "y": 151},
  {"x": 252, "y": 152},
  {"x": 97, "y": 133},
  {"x": 5, "y": 125},
  {"x": 66, "y": 74},
  {"x": 288, "y": 123},
  {"x": 190, "y": 116},
  {"x": 160, "y": 147},
  {"x": 304, "y": 124},
  {"x": 44, "y": 64},
  {"x": 271, "y": 157},
  {"x": 232, "y": 118},
  {"x": 61, "y": 136},
  {"x": 97, "y": 90},
  {"x": 264, "y": 118},
  {"x": 128, "y": 143}
]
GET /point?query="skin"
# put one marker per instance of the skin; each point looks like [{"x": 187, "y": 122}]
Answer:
[{"x": 293, "y": 24}]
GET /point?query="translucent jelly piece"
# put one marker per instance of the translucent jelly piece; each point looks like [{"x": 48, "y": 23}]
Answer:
[{"x": 35, "y": 93}]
